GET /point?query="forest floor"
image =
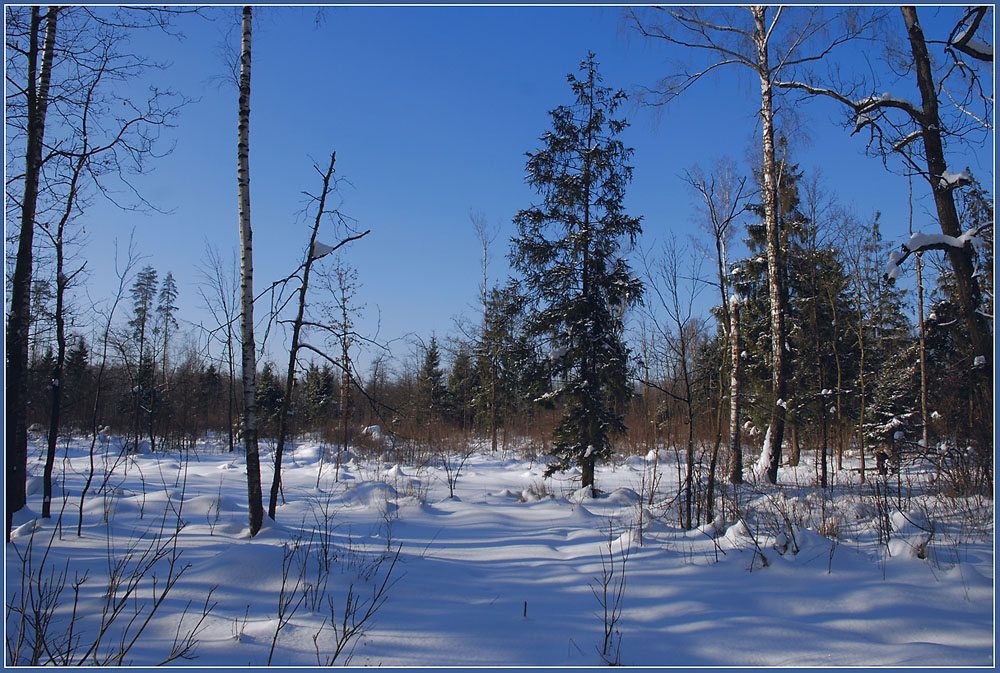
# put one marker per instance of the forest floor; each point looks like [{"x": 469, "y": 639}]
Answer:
[{"x": 514, "y": 570}]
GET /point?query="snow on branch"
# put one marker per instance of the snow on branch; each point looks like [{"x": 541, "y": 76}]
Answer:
[
  {"x": 963, "y": 38},
  {"x": 951, "y": 181},
  {"x": 920, "y": 242},
  {"x": 864, "y": 107},
  {"x": 320, "y": 250}
]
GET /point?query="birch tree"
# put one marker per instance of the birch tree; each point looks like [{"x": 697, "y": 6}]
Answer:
[
  {"x": 722, "y": 196},
  {"x": 768, "y": 42},
  {"x": 254, "y": 494}
]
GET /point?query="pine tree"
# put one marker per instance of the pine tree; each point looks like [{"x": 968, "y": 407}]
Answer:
[{"x": 568, "y": 252}]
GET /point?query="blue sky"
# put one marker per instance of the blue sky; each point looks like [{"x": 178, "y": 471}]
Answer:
[{"x": 431, "y": 111}]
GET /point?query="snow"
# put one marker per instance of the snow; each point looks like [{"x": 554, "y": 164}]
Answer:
[
  {"x": 892, "y": 266},
  {"x": 979, "y": 361},
  {"x": 321, "y": 249},
  {"x": 920, "y": 241},
  {"x": 501, "y": 575},
  {"x": 952, "y": 180},
  {"x": 981, "y": 49}
]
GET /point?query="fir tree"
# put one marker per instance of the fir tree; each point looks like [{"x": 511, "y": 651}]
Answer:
[
  {"x": 432, "y": 394},
  {"x": 165, "y": 311},
  {"x": 508, "y": 369},
  {"x": 270, "y": 392},
  {"x": 76, "y": 374},
  {"x": 568, "y": 251},
  {"x": 318, "y": 394},
  {"x": 461, "y": 388}
]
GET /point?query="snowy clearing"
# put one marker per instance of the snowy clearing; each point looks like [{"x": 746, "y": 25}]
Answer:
[{"x": 509, "y": 571}]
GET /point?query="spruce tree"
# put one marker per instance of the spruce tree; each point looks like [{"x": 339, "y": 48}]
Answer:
[
  {"x": 269, "y": 394},
  {"x": 432, "y": 394},
  {"x": 568, "y": 251},
  {"x": 461, "y": 388}
]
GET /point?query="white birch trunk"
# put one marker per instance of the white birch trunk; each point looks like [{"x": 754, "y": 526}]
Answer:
[
  {"x": 254, "y": 495},
  {"x": 776, "y": 428}
]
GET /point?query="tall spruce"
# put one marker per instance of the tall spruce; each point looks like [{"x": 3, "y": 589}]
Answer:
[
  {"x": 143, "y": 294},
  {"x": 568, "y": 251},
  {"x": 432, "y": 393}
]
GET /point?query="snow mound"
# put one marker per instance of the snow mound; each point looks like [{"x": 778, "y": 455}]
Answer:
[
  {"x": 655, "y": 454},
  {"x": 737, "y": 535},
  {"x": 306, "y": 453},
  {"x": 395, "y": 472},
  {"x": 376, "y": 495},
  {"x": 581, "y": 494},
  {"x": 622, "y": 496}
]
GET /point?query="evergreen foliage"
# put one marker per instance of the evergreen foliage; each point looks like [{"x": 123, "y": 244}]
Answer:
[
  {"x": 270, "y": 392},
  {"x": 318, "y": 394},
  {"x": 568, "y": 252},
  {"x": 462, "y": 389},
  {"x": 432, "y": 402}
]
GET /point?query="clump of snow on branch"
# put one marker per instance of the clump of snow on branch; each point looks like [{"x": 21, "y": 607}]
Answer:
[
  {"x": 952, "y": 180},
  {"x": 320, "y": 250}
]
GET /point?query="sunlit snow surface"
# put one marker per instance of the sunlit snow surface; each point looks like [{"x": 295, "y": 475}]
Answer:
[{"x": 511, "y": 544}]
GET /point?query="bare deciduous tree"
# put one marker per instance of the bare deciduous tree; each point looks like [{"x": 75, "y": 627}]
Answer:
[
  {"x": 722, "y": 194},
  {"x": 36, "y": 90}
]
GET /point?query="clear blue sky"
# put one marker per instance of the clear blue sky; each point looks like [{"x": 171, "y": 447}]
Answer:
[{"x": 430, "y": 111}]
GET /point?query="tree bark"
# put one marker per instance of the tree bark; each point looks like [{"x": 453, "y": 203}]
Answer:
[
  {"x": 20, "y": 300},
  {"x": 735, "y": 450},
  {"x": 254, "y": 494},
  {"x": 944, "y": 201},
  {"x": 62, "y": 281},
  {"x": 776, "y": 427}
]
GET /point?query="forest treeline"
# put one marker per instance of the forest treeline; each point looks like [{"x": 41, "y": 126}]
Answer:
[{"x": 595, "y": 347}]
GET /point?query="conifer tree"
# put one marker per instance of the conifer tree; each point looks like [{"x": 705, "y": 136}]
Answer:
[
  {"x": 568, "y": 251},
  {"x": 165, "y": 311},
  {"x": 268, "y": 395},
  {"x": 432, "y": 394},
  {"x": 461, "y": 388},
  {"x": 143, "y": 293}
]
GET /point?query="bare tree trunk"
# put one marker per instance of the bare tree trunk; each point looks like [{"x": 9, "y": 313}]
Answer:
[
  {"x": 37, "y": 88},
  {"x": 62, "y": 281},
  {"x": 944, "y": 200},
  {"x": 771, "y": 453},
  {"x": 286, "y": 401},
  {"x": 735, "y": 450},
  {"x": 254, "y": 494}
]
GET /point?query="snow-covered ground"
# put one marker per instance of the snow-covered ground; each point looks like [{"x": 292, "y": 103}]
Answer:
[{"x": 508, "y": 572}]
